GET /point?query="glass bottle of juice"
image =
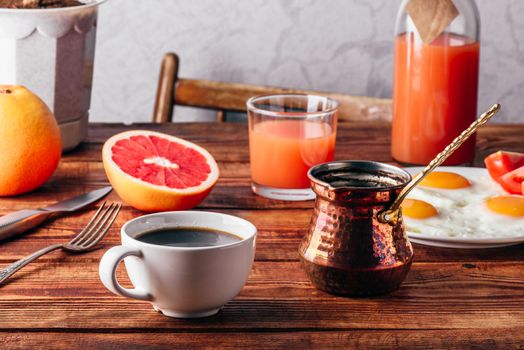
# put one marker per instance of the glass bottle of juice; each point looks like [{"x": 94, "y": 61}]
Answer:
[{"x": 435, "y": 86}]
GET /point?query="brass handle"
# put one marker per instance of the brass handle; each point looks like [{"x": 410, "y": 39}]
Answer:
[{"x": 390, "y": 216}]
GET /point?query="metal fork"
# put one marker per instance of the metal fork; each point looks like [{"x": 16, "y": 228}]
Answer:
[{"x": 92, "y": 233}]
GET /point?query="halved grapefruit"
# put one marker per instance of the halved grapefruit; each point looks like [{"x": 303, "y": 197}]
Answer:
[{"x": 153, "y": 172}]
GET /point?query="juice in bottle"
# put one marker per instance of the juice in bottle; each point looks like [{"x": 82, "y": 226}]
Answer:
[
  {"x": 436, "y": 77},
  {"x": 435, "y": 97}
]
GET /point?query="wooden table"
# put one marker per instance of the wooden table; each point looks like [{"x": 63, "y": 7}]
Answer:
[{"x": 451, "y": 298}]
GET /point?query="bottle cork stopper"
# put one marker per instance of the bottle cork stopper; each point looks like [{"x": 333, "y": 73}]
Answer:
[{"x": 431, "y": 17}]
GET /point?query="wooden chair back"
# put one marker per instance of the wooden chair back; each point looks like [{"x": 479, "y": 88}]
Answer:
[{"x": 231, "y": 97}]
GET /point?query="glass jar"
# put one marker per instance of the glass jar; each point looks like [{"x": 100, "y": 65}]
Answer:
[{"x": 435, "y": 87}]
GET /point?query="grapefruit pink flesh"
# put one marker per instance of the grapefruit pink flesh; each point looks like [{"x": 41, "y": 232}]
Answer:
[{"x": 160, "y": 162}]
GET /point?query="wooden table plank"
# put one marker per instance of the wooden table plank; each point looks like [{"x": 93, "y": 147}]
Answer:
[
  {"x": 82, "y": 170},
  {"x": 373, "y": 340},
  {"x": 279, "y": 234},
  {"x": 277, "y": 296},
  {"x": 363, "y": 140},
  {"x": 451, "y": 298}
]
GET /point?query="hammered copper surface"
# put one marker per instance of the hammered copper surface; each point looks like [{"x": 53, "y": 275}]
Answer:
[{"x": 347, "y": 250}]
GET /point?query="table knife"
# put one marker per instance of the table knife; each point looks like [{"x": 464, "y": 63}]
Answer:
[{"x": 23, "y": 220}]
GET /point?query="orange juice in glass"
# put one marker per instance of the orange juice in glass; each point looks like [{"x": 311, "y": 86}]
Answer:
[{"x": 289, "y": 134}]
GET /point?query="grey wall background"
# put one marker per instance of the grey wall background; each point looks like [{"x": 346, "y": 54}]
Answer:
[{"x": 335, "y": 45}]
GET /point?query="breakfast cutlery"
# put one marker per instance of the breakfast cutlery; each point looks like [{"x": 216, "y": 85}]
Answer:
[
  {"x": 92, "y": 233},
  {"x": 23, "y": 220}
]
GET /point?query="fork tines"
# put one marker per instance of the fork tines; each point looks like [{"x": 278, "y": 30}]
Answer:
[{"x": 97, "y": 227}]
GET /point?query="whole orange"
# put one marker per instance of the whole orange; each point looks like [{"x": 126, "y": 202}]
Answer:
[{"x": 30, "y": 145}]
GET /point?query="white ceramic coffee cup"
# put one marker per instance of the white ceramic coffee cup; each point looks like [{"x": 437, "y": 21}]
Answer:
[{"x": 179, "y": 281}]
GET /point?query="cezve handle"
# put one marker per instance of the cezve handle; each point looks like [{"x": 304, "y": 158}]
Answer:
[
  {"x": 21, "y": 221},
  {"x": 391, "y": 215}
]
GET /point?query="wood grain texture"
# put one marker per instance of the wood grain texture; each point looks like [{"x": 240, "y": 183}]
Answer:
[
  {"x": 279, "y": 234},
  {"x": 163, "y": 109},
  {"x": 451, "y": 298},
  {"x": 67, "y": 295},
  {"x": 226, "y": 96},
  {"x": 363, "y": 140},
  {"x": 373, "y": 340}
]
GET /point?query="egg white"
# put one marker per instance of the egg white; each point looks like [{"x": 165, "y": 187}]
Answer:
[{"x": 463, "y": 213}]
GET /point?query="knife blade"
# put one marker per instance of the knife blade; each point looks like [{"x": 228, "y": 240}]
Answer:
[
  {"x": 23, "y": 220},
  {"x": 75, "y": 203}
]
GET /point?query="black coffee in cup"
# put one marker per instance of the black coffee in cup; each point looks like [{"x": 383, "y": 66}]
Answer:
[{"x": 189, "y": 237}]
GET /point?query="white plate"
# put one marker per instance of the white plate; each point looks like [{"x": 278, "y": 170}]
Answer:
[
  {"x": 459, "y": 245},
  {"x": 461, "y": 242}
]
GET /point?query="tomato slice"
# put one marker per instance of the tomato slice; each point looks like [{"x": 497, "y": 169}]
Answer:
[
  {"x": 513, "y": 182},
  {"x": 501, "y": 163}
]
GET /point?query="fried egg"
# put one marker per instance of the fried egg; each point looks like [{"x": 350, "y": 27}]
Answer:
[{"x": 447, "y": 204}]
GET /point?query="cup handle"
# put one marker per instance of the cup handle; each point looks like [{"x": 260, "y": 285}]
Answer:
[{"x": 107, "y": 272}]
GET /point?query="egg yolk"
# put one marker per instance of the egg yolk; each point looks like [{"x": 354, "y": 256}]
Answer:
[
  {"x": 416, "y": 209},
  {"x": 507, "y": 205},
  {"x": 445, "y": 180}
]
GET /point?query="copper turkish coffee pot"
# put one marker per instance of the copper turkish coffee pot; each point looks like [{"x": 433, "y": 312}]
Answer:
[{"x": 357, "y": 243}]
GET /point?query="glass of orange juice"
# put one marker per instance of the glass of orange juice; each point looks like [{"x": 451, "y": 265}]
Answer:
[{"x": 289, "y": 134}]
